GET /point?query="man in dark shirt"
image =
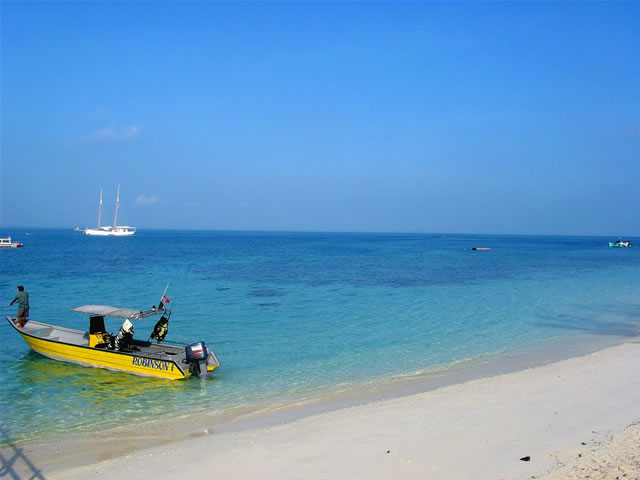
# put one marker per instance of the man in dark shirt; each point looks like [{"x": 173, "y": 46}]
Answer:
[{"x": 23, "y": 306}]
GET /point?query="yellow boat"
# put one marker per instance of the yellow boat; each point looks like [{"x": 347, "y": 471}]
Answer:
[{"x": 121, "y": 352}]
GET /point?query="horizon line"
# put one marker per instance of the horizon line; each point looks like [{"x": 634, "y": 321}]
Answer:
[{"x": 346, "y": 232}]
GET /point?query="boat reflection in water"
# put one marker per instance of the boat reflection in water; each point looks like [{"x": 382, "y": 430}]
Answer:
[
  {"x": 65, "y": 398},
  {"x": 75, "y": 383}
]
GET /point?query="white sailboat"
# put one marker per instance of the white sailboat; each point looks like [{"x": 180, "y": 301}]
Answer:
[{"x": 109, "y": 231}]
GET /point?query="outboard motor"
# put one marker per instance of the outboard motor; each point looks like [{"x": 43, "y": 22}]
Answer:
[
  {"x": 196, "y": 356},
  {"x": 125, "y": 335}
]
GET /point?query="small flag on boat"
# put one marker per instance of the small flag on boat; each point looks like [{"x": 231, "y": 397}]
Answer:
[{"x": 165, "y": 300}]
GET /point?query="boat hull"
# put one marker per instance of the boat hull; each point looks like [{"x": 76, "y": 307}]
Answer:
[
  {"x": 129, "y": 362},
  {"x": 620, "y": 244},
  {"x": 100, "y": 232},
  {"x": 7, "y": 243}
]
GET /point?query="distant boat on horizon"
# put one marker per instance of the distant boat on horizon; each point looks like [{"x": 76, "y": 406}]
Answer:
[
  {"x": 7, "y": 243},
  {"x": 109, "y": 231},
  {"x": 620, "y": 244}
]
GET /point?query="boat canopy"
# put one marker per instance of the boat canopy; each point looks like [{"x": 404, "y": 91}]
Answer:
[{"x": 107, "y": 311}]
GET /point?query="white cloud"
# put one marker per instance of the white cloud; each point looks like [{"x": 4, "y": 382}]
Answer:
[
  {"x": 144, "y": 200},
  {"x": 114, "y": 134}
]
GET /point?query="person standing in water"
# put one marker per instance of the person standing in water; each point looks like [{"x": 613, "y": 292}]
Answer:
[{"x": 22, "y": 298}]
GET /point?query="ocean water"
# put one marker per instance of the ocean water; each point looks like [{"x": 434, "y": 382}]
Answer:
[{"x": 295, "y": 316}]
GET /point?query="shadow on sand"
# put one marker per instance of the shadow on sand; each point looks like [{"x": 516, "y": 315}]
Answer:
[{"x": 14, "y": 463}]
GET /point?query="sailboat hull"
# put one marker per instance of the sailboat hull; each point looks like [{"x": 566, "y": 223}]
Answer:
[{"x": 110, "y": 232}]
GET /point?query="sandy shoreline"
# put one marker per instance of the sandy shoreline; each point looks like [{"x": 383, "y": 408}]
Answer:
[{"x": 570, "y": 417}]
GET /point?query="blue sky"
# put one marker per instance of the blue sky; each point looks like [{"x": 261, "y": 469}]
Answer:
[{"x": 385, "y": 117}]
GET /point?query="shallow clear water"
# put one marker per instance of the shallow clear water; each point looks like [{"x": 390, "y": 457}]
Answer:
[{"x": 293, "y": 315}]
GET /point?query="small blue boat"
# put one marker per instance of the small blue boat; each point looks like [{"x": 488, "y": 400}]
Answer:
[{"x": 620, "y": 244}]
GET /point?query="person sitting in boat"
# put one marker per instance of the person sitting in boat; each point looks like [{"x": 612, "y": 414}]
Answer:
[{"x": 22, "y": 298}]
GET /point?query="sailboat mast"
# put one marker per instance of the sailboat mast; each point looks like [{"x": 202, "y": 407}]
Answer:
[
  {"x": 100, "y": 210},
  {"x": 115, "y": 220}
]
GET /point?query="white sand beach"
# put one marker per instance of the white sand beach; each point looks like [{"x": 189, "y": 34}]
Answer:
[{"x": 577, "y": 418}]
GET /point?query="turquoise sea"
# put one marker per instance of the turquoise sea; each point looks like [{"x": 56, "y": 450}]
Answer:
[{"x": 298, "y": 316}]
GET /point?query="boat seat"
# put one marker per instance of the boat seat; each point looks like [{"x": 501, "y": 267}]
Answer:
[
  {"x": 96, "y": 325},
  {"x": 97, "y": 331}
]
